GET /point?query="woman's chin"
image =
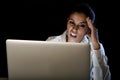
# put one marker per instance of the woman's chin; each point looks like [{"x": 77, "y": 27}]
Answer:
[{"x": 73, "y": 40}]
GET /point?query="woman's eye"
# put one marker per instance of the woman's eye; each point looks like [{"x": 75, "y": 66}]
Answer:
[
  {"x": 71, "y": 22},
  {"x": 82, "y": 25}
]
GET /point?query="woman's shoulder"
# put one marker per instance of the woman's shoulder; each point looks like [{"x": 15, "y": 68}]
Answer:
[
  {"x": 54, "y": 38},
  {"x": 58, "y": 38},
  {"x": 50, "y": 38}
]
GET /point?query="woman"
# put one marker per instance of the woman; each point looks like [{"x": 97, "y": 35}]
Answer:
[{"x": 80, "y": 28}]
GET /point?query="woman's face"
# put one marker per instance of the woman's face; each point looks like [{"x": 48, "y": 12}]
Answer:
[{"x": 76, "y": 27}]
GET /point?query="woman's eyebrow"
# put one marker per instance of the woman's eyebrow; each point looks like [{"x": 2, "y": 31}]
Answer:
[
  {"x": 84, "y": 22},
  {"x": 70, "y": 19}
]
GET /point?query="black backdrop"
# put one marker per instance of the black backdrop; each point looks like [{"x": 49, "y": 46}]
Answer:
[{"x": 36, "y": 20}]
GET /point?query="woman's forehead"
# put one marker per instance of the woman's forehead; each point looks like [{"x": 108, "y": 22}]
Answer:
[
  {"x": 76, "y": 14},
  {"x": 78, "y": 17}
]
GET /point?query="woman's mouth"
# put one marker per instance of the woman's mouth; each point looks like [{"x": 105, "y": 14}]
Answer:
[{"x": 73, "y": 35}]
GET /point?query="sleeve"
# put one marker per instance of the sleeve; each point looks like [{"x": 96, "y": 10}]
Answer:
[{"x": 100, "y": 67}]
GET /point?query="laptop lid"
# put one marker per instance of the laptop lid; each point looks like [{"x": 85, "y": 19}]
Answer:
[{"x": 43, "y": 60}]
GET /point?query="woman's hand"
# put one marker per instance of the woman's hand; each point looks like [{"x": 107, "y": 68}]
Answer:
[{"x": 93, "y": 36}]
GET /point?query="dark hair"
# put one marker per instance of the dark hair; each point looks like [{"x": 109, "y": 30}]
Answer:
[{"x": 84, "y": 8}]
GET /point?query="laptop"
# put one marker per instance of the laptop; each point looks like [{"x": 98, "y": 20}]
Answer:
[{"x": 45, "y": 60}]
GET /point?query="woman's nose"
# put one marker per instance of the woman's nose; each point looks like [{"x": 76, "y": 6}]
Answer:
[{"x": 75, "y": 27}]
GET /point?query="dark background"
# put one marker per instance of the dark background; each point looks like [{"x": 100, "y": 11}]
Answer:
[{"x": 37, "y": 20}]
